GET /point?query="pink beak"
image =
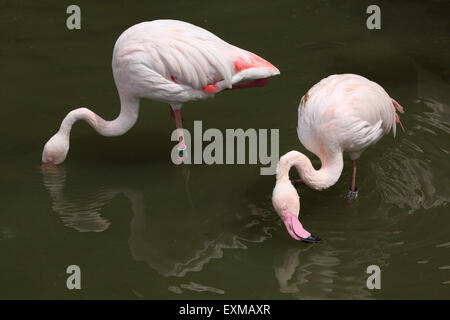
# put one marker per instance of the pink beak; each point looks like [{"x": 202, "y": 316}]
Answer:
[{"x": 296, "y": 230}]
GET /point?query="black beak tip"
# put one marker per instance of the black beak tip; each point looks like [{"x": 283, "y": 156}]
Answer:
[{"x": 312, "y": 239}]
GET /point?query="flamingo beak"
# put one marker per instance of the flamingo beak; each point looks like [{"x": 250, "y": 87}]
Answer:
[
  {"x": 296, "y": 230},
  {"x": 312, "y": 239}
]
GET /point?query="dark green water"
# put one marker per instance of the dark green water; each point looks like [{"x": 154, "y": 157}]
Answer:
[{"x": 140, "y": 227}]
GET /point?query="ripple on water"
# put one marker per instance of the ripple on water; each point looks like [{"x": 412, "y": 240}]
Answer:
[
  {"x": 408, "y": 175},
  {"x": 80, "y": 211},
  {"x": 305, "y": 274},
  {"x": 6, "y": 233},
  {"x": 175, "y": 289},
  {"x": 179, "y": 263},
  {"x": 443, "y": 245},
  {"x": 200, "y": 288}
]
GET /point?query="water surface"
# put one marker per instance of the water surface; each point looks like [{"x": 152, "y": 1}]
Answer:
[{"x": 140, "y": 227}]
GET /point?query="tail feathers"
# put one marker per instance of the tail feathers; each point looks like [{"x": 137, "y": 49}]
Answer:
[
  {"x": 399, "y": 122},
  {"x": 249, "y": 66},
  {"x": 397, "y": 106},
  {"x": 246, "y": 66},
  {"x": 400, "y": 109}
]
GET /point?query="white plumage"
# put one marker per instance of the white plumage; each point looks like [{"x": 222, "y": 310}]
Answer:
[
  {"x": 169, "y": 61},
  {"x": 174, "y": 61},
  {"x": 341, "y": 113},
  {"x": 345, "y": 112}
]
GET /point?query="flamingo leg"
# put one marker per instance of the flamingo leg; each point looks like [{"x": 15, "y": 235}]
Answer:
[
  {"x": 353, "y": 186},
  {"x": 172, "y": 113},
  {"x": 353, "y": 191},
  {"x": 182, "y": 152}
]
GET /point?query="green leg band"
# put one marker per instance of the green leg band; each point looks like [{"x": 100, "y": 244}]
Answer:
[{"x": 182, "y": 152}]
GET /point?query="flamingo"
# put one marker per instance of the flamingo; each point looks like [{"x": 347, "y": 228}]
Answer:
[
  {"x": 168, "y": 61},
  {"x": 341, "y": 113}
]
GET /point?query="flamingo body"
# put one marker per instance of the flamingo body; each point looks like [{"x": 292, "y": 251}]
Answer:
[
  {"x": 341, "y": 113},
  {"x": 169, "y": 61},
  {"x": 346, "y": 113},
  {"x": 175, "y": 62}
]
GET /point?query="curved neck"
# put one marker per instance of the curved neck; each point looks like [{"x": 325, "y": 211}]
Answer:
[
  {"x": 129, "y": 109},
  {"x": 325, "y": 177}
]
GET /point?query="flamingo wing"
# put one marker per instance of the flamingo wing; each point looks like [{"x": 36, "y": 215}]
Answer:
[
  {"x": 346, "y": 110},
  {"x": 185, "y": 55}
]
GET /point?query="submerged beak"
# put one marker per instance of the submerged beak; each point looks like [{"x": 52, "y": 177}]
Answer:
[{"x": 296, "y": 230}]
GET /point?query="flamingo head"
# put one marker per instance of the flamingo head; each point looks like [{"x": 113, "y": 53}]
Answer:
[
  {"x": 55, "y": 150},
  {"x": 286, "y": 202}
]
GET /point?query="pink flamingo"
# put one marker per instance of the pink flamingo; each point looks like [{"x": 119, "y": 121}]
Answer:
[
  {"x": 341, "y": 113},
  {"x": 169, "y": 61}
]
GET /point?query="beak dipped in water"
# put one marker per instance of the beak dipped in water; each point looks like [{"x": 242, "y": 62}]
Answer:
[{"x": 296, "y": 230}]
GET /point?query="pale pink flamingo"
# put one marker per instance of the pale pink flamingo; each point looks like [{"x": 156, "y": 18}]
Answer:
[
  {"x": 341, "y": 113},
  {"x": 169, "y": 61}
]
